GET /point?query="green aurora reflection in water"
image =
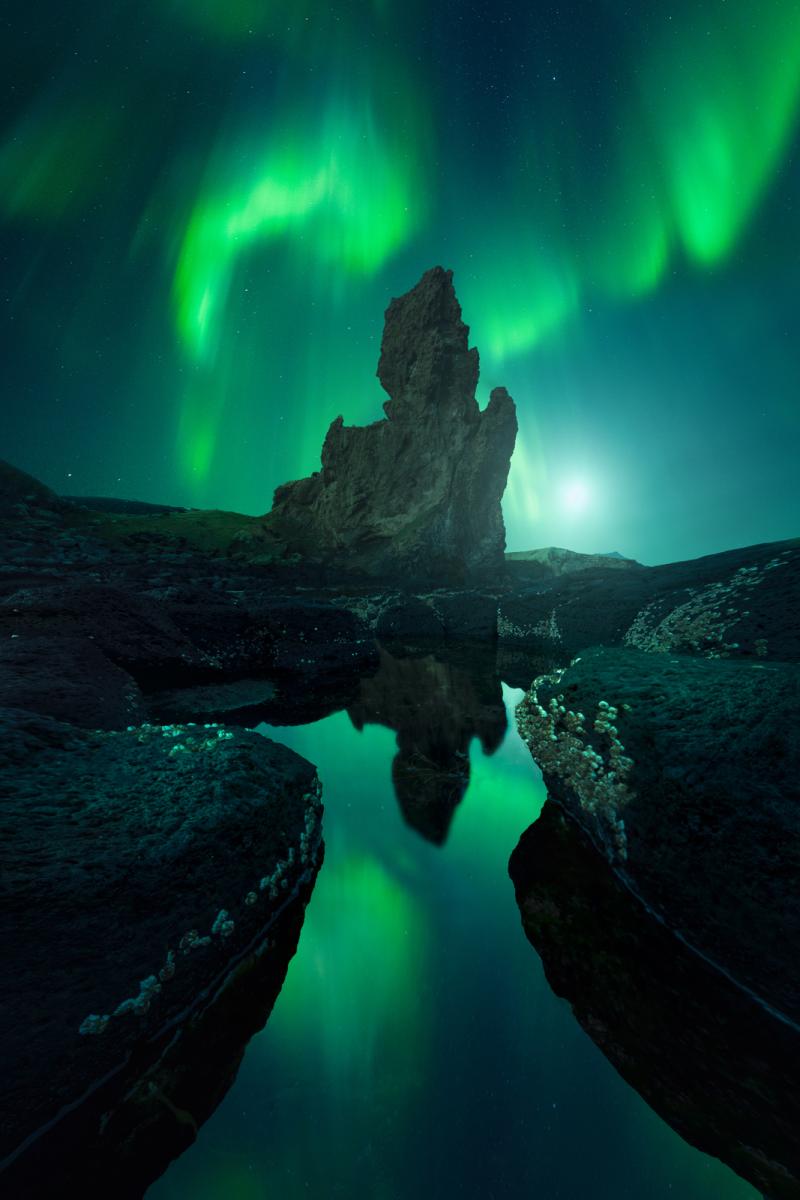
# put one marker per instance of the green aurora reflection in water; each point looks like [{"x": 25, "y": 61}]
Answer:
[
  {"x": 416, "y": 1049},
  {"x": 205, "y": 206}
]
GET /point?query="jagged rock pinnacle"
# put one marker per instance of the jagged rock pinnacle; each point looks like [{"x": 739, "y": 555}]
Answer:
[{"x": 416, "y": 495}]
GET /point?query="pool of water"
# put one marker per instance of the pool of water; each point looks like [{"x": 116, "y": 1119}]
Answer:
[{"x": 416, "y": 1049}]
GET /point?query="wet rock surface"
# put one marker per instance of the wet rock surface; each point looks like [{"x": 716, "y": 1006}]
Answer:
[
  {"x": 140, "y": 867},
  {"x": 715, "y": 1064},
  {"x": 417, "y": 493},
  {"x": 686, "y": 773},
  {"x": 122, "y": 1137}
]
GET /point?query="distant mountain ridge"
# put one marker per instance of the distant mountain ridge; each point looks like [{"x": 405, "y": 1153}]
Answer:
[{"x": 555, "y": 560}]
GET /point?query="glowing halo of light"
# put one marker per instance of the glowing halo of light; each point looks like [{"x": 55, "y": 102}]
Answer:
[{"x": 575, "y": 495}]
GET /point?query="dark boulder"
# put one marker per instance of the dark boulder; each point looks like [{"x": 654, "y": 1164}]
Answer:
[
  {"x": 686, "y": 773},
  {"x": 141, "y": 867},
  {"x": 466, "y": 616},
  {"x": 123, "y": 1135},
  {"x": 719, "y": 1067},
  {"x": 240, "y": 702},
  {"x": 408, "y": 619},
  {"x": 133, "y": 631},
  {"x": 70, "y": 679}
]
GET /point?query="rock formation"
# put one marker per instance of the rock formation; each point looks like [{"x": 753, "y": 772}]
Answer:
[
  {"x": 436, "y": 707},
  {"x": 143, "y": 866},
  {"x": 418, "y": 493},
  {"x": 738, "y": 604},
  {"x": 685, "y": 773},
  {"x": 721, "y": 1068}
]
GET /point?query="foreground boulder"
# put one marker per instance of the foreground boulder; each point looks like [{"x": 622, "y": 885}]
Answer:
[
  {"x": 686, "y": 774},
  {"x": 718, "y": 1066},
  {"x": 143, "y": 867},
  {"x": 418, "y": 493}
]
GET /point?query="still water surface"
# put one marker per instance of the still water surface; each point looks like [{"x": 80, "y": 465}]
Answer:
[{"x": 416, "y": 1050}]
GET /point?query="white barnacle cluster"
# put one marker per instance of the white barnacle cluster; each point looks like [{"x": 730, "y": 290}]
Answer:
[
  {"x": 193, "y": 737},
  {"x": 311, "y": 834},
  {"x": 192, "y": 941},
  {"x": 703, "y": 620},
  {"x": 223, "y": 925},
  {"x": 278, "y": 881},
  {"x": 138, "y": 1005},
  {"x": 547, "y": 629},
  {"x": 556, "y": 737},
  {"x": 94, "y": 1023},
  {"x": 276, "y": 884}
]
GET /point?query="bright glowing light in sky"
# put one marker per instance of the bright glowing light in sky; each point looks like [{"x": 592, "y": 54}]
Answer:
[{"x": 575, "y": 496}]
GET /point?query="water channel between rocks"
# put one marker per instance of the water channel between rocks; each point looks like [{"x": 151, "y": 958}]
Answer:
[{"x": 416, "y": 1049}]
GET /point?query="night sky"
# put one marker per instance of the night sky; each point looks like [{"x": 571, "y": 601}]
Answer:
[{"x": 206, "y": 205}]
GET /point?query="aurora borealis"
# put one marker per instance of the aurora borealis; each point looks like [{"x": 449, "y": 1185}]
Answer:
[{"x": 205, "y": 207}]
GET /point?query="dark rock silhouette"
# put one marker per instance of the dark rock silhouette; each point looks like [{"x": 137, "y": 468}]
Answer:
[
  {"x": 22, "y": 496},
  {"x": 122, "y": 1136},
  {"x": 419, "y": 492},
  {"x": 685, "y": 772},
  {"x": 141, "y": 866},
  {"x": 720, "y": 1068},
  {"x": 436, "y": 707}
]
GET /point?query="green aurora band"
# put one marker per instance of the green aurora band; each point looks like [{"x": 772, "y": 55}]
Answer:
[
  {"x": 263, "y": 193},
  {"x": 381, "y": 1032},
  {"x": 705, "y": 129}
]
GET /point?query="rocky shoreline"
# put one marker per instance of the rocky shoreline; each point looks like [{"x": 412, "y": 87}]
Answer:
[{"x": 158, "y": 853}]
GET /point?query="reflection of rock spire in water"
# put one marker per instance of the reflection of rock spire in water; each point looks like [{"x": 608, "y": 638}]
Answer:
[
  {"x": 436, "y": 708},
  {"x": 719, "y": 1067}
]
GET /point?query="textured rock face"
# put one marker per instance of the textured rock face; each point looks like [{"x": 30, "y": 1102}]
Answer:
[
  {"x": 686, "y": 775},
  {"x": 738, "y": 604},
  {"x": 722, "y": 1069},
  {"x": 419, "y": 492},
  {"x": 142, "y": 865}
]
